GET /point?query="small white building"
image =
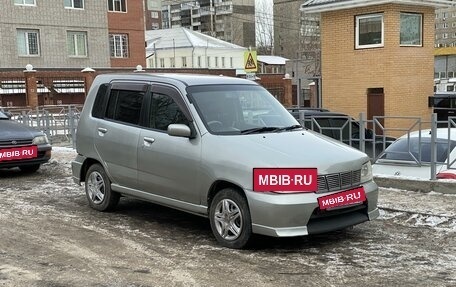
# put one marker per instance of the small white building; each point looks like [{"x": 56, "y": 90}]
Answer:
[{"x": 184, "y": 48}]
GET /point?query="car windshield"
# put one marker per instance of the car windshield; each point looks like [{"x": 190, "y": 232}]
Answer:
[
  {"x": 399, "y": 150},
  {"x": 240, "y": 109},
  {"x": 3, "y": 116}
]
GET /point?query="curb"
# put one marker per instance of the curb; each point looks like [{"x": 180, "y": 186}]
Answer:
[{"x": 446, "y": 187}]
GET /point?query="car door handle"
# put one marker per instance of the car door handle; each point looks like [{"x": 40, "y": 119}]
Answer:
[
  {"x": 148, "y": 141},
  {"x": 102, "y": 131}
]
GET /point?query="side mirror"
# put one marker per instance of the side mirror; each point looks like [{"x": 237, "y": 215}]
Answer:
[{"x": 179, "y": 130}]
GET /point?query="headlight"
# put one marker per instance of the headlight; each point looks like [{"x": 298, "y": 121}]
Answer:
[
  {"x": 40, "y": 140},
  {"x": 366, "y": 172}
]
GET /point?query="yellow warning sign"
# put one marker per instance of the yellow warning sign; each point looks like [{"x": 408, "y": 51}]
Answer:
[{"x": 250, "y": 61}]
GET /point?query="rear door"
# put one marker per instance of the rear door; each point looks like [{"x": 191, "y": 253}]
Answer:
[{"x": 117, "y": 133}]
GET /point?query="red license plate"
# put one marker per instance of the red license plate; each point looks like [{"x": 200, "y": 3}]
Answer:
[
  {"x": 285, "y": 179},
  {"x": 18, "y": 153},
  {"x": 348, "y": 197}
]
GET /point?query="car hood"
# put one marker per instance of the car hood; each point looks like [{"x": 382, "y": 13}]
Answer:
[
  {"x": 236, "y": 156},
  {"x": 11, "y": 130}
]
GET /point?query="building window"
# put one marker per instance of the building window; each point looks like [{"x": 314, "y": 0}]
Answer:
[
  {"x": 199, "y": 61},
  {"x": 445, "y": 35},
  {"x": 162, "y": 63},
  {"x": 184, "y": 62},
  {"x": 155, "y": 26},
  {"x": 216, "y": 62},
  {"x": 77, "y": 44},
  {"x": 118, "y": 44},
  {"x": 450, "y": 74},
  {"x": 117, "y": 5},
  {"x": 154, "y": 14},
  {"x": 172, "y": 62},
  {"x": 75, "y": 4},
  {"x": 231, "y": 62},
  {"x": 151, "y": 62},
  {"x": 223, "y": 62},
  {"x": 208, "y": 62},
  {"x": 28, "y": 42},
  {"x": 411, "y": 29},
  {"x": 369, "y": 31},
  {"x": 25, "y": 2}
]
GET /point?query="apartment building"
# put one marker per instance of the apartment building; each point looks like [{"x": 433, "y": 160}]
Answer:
[
  {"x": 229, "y": 20},
  {"x": 153, "y": 14},
  {"x": 72, "y": 33}
]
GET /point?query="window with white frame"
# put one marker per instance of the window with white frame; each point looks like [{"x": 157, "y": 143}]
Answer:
[
  {"x": 231, "y": 62},
  {"x": 28, "y": 42},
  {"x": 154, "y": 14},
  {"x": 223, "y": 62},
  {"x": 411, "y": 29},
  {"x": 172, "y": 62},
  {"x": 184, "y": 62},
  {"x": 118, "y": 44},
  {"x": 162, "y": 62},
  {"x": 216, "y": 62},
  {"x": 25, "y": 2},
  {"x": 74, "y": 4},
  {"x": 199, "y": 61},
  {"x": 77, "y": 43},
  {"x": 117, "y": 5},
  {"x": 208, "y": 62},
  {"x": 369, "y": 31},
  {"x": 445, "y": 25},
  {"x": 445, "y": 35}
]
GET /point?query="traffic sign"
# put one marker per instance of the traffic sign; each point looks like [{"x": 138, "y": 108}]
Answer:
[{"x": 250, "y": 61}]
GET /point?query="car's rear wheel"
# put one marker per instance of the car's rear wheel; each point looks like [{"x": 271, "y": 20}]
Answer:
[
  {"x": 230, "y": 220},
  {"x": 29, "y": 168},
  {"x": 98, "y": 189}
]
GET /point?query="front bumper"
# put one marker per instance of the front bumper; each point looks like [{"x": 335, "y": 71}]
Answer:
[
  {"x": 44, "y": 155},
  {"x": 286, "y": 215}
]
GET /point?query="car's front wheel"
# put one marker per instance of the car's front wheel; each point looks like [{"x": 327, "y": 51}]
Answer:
[
  {"x": 98, "y": 189},
  {"x": 230, "y": 220}
]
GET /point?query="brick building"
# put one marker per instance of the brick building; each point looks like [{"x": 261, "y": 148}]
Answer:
[
  {"x": 57, "y": 33},
  {"x": 377, "y": 58}
]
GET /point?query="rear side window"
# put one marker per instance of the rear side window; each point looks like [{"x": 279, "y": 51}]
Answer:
[
  {"x": 125, "y": 106},
  {"x": 98, "y": 105}
]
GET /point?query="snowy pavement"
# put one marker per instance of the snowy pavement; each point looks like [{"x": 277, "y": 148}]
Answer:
[{"x": 50, "y": 237}]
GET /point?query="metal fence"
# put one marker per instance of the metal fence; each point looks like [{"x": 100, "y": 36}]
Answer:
[{"x": 59, "y": 123}]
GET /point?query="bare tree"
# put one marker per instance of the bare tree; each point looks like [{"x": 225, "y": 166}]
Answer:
[{"x": 264, "y": 27}]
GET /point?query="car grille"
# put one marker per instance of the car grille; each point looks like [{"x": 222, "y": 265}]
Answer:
[
  {"x": 13, "y": 143},
  {"x": 338, "y": 181}
]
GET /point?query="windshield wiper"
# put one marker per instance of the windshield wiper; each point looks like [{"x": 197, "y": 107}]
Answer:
[
  {"x": 289, "y": 128},
  {"x": 259, "y": 130}
]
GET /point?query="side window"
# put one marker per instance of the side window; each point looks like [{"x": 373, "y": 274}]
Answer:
[
  {"x": 165, "y": 111},
  {"x": 125, "y": 106},
  {"x": 98, "y": 105}
]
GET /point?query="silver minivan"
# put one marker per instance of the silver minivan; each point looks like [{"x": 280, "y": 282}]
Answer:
[{"x": 219, "y": 147}]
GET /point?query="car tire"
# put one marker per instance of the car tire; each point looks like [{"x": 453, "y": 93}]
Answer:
[
  {"x": 230, "y": 220},
  {"x": 29, "y": 168},
  {"x": 98, "y": 189}
]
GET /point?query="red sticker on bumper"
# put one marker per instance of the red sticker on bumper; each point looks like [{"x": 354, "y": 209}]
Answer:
[
  {"x": 18, "y": 153},
  {"x": 343, "y": 198},
  {"x": 285, "y": 179}
]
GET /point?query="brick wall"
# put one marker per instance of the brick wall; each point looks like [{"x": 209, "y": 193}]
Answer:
[
  {"x": 132, "y": 24},
  {"x": 275, "y": 83},
  {"x": 404, "y": 73}
]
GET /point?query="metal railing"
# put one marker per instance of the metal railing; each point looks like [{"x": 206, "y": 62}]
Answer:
[
  {"x": 59, "y": 123},
  {"x": 377, "y": 137}
]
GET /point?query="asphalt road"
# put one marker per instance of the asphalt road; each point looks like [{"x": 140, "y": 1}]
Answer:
[{"x": 50, "y": 237}]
